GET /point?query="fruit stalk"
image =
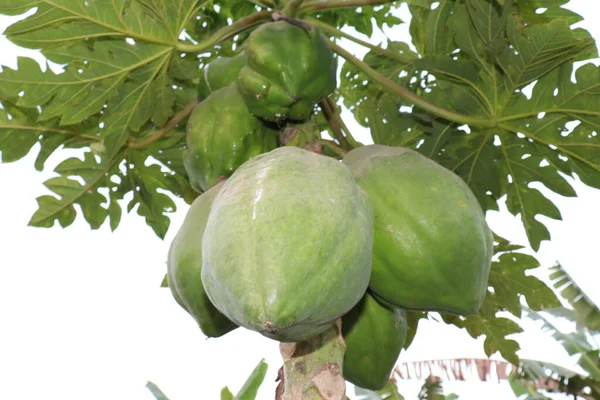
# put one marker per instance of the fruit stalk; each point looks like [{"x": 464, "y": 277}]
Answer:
[{"x": 312, "y": 369}]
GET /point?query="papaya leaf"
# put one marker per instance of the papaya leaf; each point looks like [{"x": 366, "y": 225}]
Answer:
[
  {"x": 94, "y": 173},
  {"x": 60, "y": 22},
  {"x": 148, "y": 183},
  {"x": 588, "y": 313},
  {"x": 158, "y": 394},
  {"x": 510, "y": 282},
  {"x": 502, "y": 245},
  {"x": 429, "y": 28},
  {"x": 551, "y": 10},
  {"x": 165, "y": 282},
  {"x": 494, "y": 328},
  {"x": 363, "y": 97},
  {"x": 252, "y": 384},
  {"x": 482, "y": 56},
  {"x": 20, "y": 131},
  {"x": 226, "y": 394},
  {"x": 362, "y": 19},
  {"x": 116, "y": 57}
]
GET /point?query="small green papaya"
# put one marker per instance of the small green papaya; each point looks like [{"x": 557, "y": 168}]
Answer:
[
  {"x": 287, "y": 246},
  {"x": 374, "y": 336},
  {"x": 432, "y": 247},
  {"x": 288, "y": 70},
  {"x": 221, "y": 135},
  {"x": 220, "y": 73},
  {"x": 184, "y": 264}
]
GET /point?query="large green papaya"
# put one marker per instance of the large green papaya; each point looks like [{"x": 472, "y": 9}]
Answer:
[
  {"x": 374, "y": 336},
  {"x": 432, "y": 247},
  {"x": 288, "y": 70},
  {"x": 220, "y": 73},
  {"x": 221, "y": 136},
  {"x": 184, "y": 264},
  {"x": 287, "y": 246}
]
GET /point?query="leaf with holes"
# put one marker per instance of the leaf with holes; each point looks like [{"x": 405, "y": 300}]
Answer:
[
  {"x": 20, "y": 130},
  {"x": 78, "y": 183},
  {"x": 362, "y": 18},
  {"x": 148, "y": 184},
  {"x": 509, "y": 280},
  {"x": 57, "y": 23},
  {"x": 495, "y": 329},
  {"x": 482, "y": 58}
]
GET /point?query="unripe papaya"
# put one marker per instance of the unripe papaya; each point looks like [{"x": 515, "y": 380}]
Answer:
[
  {"x": 220, "y": 73},
  {"x": 287, "y": 246},
  {"x": 184, "y": 264},
  {"x": 221, "y": 135},
  {"x": 288, "y": 70},
  {"x": 432, "y": 247},
  {"x": 374, "y": 336}
]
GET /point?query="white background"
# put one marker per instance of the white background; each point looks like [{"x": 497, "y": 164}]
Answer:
[{"x": 82, "y": 315}]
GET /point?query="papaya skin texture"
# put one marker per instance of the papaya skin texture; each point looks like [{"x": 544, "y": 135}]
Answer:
[
  {"x": 220, "y": 73},
  {"x": 287, "y": 246},
  {"x": 184, "y": 265},
  {"x": 221, "y": 135},
  {"x": 432, "y": 247},
  {"x": 288, "y": 70},
  {"x": 374, "y": 336}
]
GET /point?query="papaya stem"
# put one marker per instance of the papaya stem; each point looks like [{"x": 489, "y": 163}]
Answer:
[
  {"x": 332, "y": 146},
  {"x": 226, "y": 32},
  {"x": 277, "y": 16},
  {"x": 291, "y": 8},
  {"x": 403, "y": 58},
  {"x": 348, "y": 138},
  {"x": 312, "y": 369},
  {"x": 263, "y": 3},
  {"x": 172, "y": 123},
  {"x": 334, "y": 122},
  {"x": 319, "y": 5},
  {"x": 390, "y": 86}
]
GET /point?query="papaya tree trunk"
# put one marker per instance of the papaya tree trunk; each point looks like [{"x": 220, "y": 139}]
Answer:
[{"x": 312, "y": 370}]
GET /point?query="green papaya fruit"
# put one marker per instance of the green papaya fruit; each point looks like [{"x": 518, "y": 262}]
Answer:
[
  {"x": 287, "y": 246},
  {"x": 288, "y": 70},
  {"x": 374, "y": 336},
  {"x": 221, "y": 135},
  {"x": 220, "y": 73},
  {"x": 184, "y": 264},
  {"x": 432, "y": 248}
]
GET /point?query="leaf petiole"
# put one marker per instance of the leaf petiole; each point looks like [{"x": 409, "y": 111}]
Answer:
[
  {"x": 376, "y": 49},
  {"x": 226, "y": 32},
  {"x": 185, "y": 111},
  {"x": 390, "y": 86}
]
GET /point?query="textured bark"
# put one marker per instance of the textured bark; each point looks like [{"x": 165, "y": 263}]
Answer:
[{"x": 313, "y": 368}]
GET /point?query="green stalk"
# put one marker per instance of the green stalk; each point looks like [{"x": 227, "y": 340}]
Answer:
[
  {"x": 376, "y": 49},
  {"x": 389, "y": 86},
  {"x": 177, "y": 118},
  {"x": 226, "y": 32},
  {"x": 312, "y": 370},
  {"x": 348, "y": 138},
  {"x": 332, "y": 146},
  {"x": 319, "y": 5},
  {"x": 291, "y": 8},
  {"x": 329, "y": 110}
]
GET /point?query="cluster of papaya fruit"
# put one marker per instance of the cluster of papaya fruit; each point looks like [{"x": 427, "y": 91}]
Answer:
[{"x": 293, "y": 240}]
